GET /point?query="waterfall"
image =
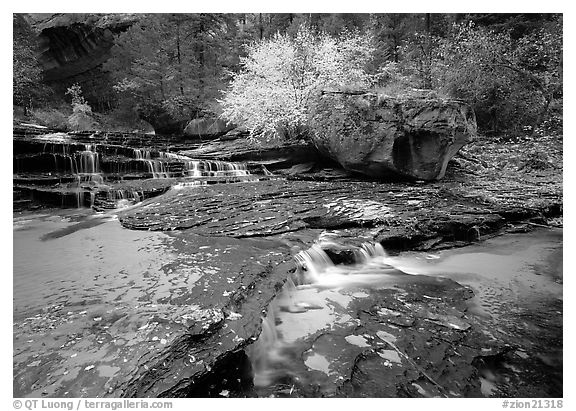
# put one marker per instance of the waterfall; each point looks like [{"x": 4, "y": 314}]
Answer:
[
  {"x": 141, "y": 154},
  {"x": 311, "y": 264},
  {"x": 123, "y": 198},
  {"x": 316, "y": 283},
  {"x": 368, "y": 251},
  {"x": 157, "y": 168},
  {"x": 213, "y": 168},
  {"x": 266, "y": 354},
  {"x": 372, "y": 266},
  {"x": 117, "y": 195}
]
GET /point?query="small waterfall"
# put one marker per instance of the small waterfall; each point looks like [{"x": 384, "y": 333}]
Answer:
[
  {"x": 368, "y": 251},
  {"x": 173, "y": 156},
  {"x": 141, "y": 154},
  {"x": 311, "y": 264},
  {"x": 117, "y": 195},
  {"x": 372, "y": 267},
  {"x": 184, "y": 184},
  {"x": 85, "y": 164},
  {"x": 205, "y": 168},
  {"x": 267, "y": 353},
  {"x": 157, "y": 168},
  {"x": 314, "y": 287},
  {"x": 123, "y": 198}
]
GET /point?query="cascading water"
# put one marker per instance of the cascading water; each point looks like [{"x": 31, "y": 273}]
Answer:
[
  {"x": 158, "y": 166},
  {"x": 86, "y": 165},
  {"x": 60, "y": 170},
  {"x": 313, "y": 299},
  {"x": 203, "y": 168},
  {"x": 314, "y": 328}
]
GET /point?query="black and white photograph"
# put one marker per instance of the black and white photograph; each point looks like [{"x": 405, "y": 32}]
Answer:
[{"x": 287, "y": 205}]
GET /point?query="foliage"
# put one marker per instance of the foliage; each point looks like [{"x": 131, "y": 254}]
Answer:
[
  {"x": 53, "y": 118},
  {"x": 171, "y": 63},
  {"x": 82, "y": 117},
  {"x": 272, "y": 93},
  {"x": 510, "y": 83},
  {"x": 169, "y": 68},
  {"x": 27, "y": 72}
]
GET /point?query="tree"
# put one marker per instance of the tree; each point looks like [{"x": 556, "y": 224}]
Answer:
[
  {"x": 280, "y": 76},
  {"x": 81, "y": 117},
  {"x": 27, "y": 72},
  {"x": 510, "y": 83},
  {"x": 169, "y": 66}
]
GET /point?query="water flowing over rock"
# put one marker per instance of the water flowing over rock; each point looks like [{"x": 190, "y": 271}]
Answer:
[
  {"x": 75, "y": 171},
  {"x": 385, "y": 137},
  {"x": 274, "y": 156}
]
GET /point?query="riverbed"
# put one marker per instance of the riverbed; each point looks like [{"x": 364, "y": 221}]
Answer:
[{"x": 94, "y": 302}]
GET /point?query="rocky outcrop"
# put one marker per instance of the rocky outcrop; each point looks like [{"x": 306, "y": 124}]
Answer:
[
  {"x": 73, "y": 47},
  {"x": 385, "y": 137},
  {"x": 274, "y": 156}
]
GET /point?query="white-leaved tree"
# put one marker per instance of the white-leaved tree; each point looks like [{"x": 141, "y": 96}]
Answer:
[{"x": 281, "y": 76}]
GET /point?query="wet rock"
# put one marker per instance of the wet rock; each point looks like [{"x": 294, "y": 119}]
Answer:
[
  {"x": 274, "y": 155},
  {"x": 381, "y": 137},
  {"x": 206, "y": 350},
  {"x": 388, "y": 213}
]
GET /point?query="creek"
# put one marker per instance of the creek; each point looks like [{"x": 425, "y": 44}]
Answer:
[
  {"x": 76, "y": 269},
  {"x": 245, "y": 290}
]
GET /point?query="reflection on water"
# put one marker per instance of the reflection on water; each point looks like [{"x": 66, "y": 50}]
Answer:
[
  {"x": 93, "y": 300},
  {"x": 71, "y": 257}
]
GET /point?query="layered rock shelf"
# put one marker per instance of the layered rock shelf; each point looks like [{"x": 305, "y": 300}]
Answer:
[{"x": 459, "y": 209}]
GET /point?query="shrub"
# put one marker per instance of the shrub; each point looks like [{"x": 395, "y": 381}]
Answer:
[
  {"x": 279, "y": 78},
  {"x": 81, "y": 118},
  {"x": 51, "y": 118},
  {"x": 511, "y": 84}
]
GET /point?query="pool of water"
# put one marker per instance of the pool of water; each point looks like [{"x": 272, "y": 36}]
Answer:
[{"x": 93, "y": 300}]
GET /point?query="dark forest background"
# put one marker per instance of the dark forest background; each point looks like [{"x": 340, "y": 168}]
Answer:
[{"x": 176, "y": 67}]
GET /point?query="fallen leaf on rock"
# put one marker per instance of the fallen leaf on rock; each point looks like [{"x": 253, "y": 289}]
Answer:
[
  {"x": 387, "y": 337},
  {"x": 234, "y": 316},
  {"x": 357, "y": 340}
]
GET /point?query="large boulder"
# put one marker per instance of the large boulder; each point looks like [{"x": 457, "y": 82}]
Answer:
[
  {"x": 386, "y": 137},
  {"x": 207, "y": 127}
]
